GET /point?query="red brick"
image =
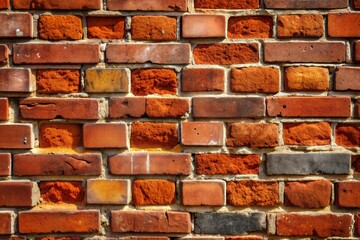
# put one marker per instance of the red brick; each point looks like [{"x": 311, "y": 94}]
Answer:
[
  {"x": 308, "y": 106},
  {"x": 153, "y": 28},
  {"x": 252, "y": 193},
  {"x": 150, "y": 163},
  {"x": 202, "y": 79},
  {"x": 4, "y": 4},
  {"x": 343, "y": 24},
  {"x": 226, "y": 53},
  {"x": 19, "y": 194},
  {"x": 16, "y": 80},
  {"x": 59, "y": 221},
  {"x": 357, "y": 223},
  {"x": 167, "y": 107},
  {"x": 307, "y": 134},
  {"x": 348, "y": 194},
  {"x": 356, "y": 163},
  {"x": 105, "y": 135},
  {"x": 106, "y": 27},
  {"x": 16, "y": 136},
  {"x": 153, "y": 81},
  {"x": 357, "y": 109},
  {"x": 246, "y": 237},
  {"x": 153, "y": 192},
  {"x": 306, "y": 4},
  {"x": 4, "y": 53},
  {"x": 255, "y": 79},
  {"x": 348, "y": 135},
  {"x": 56, "y": 5},
  {"x": 60, "y": 27},
  {"x": 224, "y": 164},
  {"x": 308, "y": 25},
  {"x": 312, "y": 194},
  {"x": 213, "y": 107},
  {"x": 145, "y": 5},
  {"x": 36, "y": 53},
  {"x": 254, "y": 135},
  {"x": 347, "y": 79},
  {"x": 144, "y": 238},
  {"x": 154, "y": 135},
  {"x": 307, "y": 52},
  {"x": 150, "y": 221},
  {"x": 60, "y": 135},
  {"x": 144, "y": 53},
  {"x": 250, "y": 27},
  {"x": 57, "y": 81},
  {"x": 5, "y": 164},
  {"x": 62, "y": 192},
  {"x": 356, "y": 51},
  {"x": 6, "y": 223},
  {"x": 57, "y": 164},
  {"x": 307, "y": 79},
  {"x": 4, "y": 109},
  {"x": 203, "y": 26},
  {"x": 202, "y": 133},
  {"x": 108, "y": 191},
  {"x": 66, "y": 108},
  {"x": 227, "y": 4},
  {"x": 123, "y": 107},
  {"x": 321, "y": 225},
  {"x": 201, "y": 238},
  {"x": 16, "y": 25},
  {"x": 356, "y": 4},
  {"x": 203, "y": 193}
]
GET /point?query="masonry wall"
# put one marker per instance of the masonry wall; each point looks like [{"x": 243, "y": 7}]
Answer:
[{"x": 179, "y": 119}]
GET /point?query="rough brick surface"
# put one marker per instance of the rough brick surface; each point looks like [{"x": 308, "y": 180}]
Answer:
[
  {"x": 57, "y": 81},
  {"x": 348, "y": 194},
  {"x": 60, "y": 135},
  {"x": 56, "y": 5},
  {"x": 348, "y": 135},
  {"x": 60, "y": 27},
  {"x": 227, "y": 4},
  {"x": 307, "y": 79},
  {"x": 347, "y": 79},
  {"x": 203, "y": 193},
  {"x": 153, "y": 28},
  {"x": 167, "y": 107},
  {"x": 153, "y": 192},
  {"x": 357, "y": 225},
  {"x": 4, "y": 53},
  {"x": 250, "y": 27},
  {"x": 309, "y": 25},
  {"x": 145, "y": 5},
  {"x": 308, "y": 134},
  {"x": 305, "y": 4},
  {"x": 62, "y": 192},
  {"x": 106, "y": 27}
]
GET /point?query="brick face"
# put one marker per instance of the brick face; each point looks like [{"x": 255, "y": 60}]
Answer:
[
  {"x": 60, "y": 27},
  {"x": 250, "y": 27},
  {"x": 153, "y": 28}
]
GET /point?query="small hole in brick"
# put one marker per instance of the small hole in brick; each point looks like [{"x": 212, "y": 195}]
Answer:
[{"x": 284, "y": 106}]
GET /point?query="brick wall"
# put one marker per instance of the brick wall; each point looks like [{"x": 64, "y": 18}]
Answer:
[{"x": 179, "y": 119}]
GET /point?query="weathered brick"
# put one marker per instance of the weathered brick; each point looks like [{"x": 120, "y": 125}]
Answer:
[
  {"x": 227, "y": 4},
  {"x": 308, "y": 194},
  {"x": 57, "y": 164},
  {"x": 343, "y": 24},
  {"x": 154, "y": 135},
  {"x": 167, "y": 107},
  {"x": 307, "y": 25},
  {"x": 144, "y": 238},
  {"x": 108, "y": 191},
  {"x": 305, "y": 4},
  {"x": 356, "y": 4},
  {"x": 224, "y": 164},
  {"x": 308, "y": 106},
  {"x": 19, "y": 194},
  {"x": 150, "y": 221},
  {"x": 347, "y": 79},
  {"x": 203, "y": 26},
  {"x": 60, "y": 27},
  {"x": 254, "y": 135},
  {"x": 16, "y": 80},
  {"x": 307, "y": 79},
  {"x": 60, "y": 135},
  {"x": 226, "y": 53},
  {"x": 202, "y": 133},
  {"x": 202, "y": 79},
  {"x": 308, "y": 163},
  {"x": 57, "y": 81},
  {"x": 150, "y": 163},
  {"x": 106, "y": 27},
  {"x": 4, "y": 53},
  {"x": 255, "y": 79},
  {"x": 4, "y": 109},
  {"x": 213, "y": 107},
  {"x": 250, "y": 27},
  {"x": 106, "y": 80},
  {"x": 356, "y": 162},
  {"x": 5, "y": 167},
  {"x": 203, "y": 192},
  {"x": 105, "y": 135},
  {"x": 321, "y": 225},
  {"x": 42, "y": 53},
  {"x": 347, "y": 135},
  {"x": 6, "y": 223},
  {"x": 356, "y": 53},
  {"x": 252, "y": 193},
  {"x": 145, "y": 5},
  {"x": 307, "y": 52},
  {"x": 62, "y": 192},
  {"x": 307, "y": 134},
  {"x": 56, "y": 5},
  {"x": 246, "y": 237},
  {"x": 357, "y": 223},
  {"x": 153, "y": 192},
  {"x": 16, "y": 25},
  {"x": 153, "y": 28},
  {"x": 348, "y": 194},
  {"x": 201, "y": 238},
  {"x": 144, "y": 53},
  {"x": 229, "y": 223},
  {"x": 16, "y": 136},
  {"x": 4, "y": 4},
  {"x": 59, "y": 221},
  {"x": 123, "y": 107},
  {"x": 357, "y": 109}
]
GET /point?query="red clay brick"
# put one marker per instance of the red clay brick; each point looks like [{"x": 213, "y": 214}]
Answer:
[
  {"x": 108, "y": 191},
  {"x": 144, "y": 238},
  {"x": 348, "y": 135},
  {"x": 85, "y": 221},
  {"x": 252, "y": 193},
  {"x": 312, "y": 194},
  {"x": 6, "y": 223},
  {"x": 202, "y": 79},
  {"x": 356, "y": 51},
  {"x": 308, "y": 25},
  {"x": 246, "y": 237},
  {"x": 123, "y": 107},
  {"x": 254, "y": 135},
  {"x": 307, "y": 79},
  {"x": 202, "y": 133},
  {"x": 4, "y": 4},
  {"x": 226, "y": 53},
  {"x": 203, "y": 26},
  {"x": 357, "y": 223},
  {"x": 153, "y": 192},
  {"x": 16, "y": 80},
  {"x": 56, "y": 5},
  {"x": 146, "y": 5},
  {"x": 357, "y": 109},
  {"x": 343, "y": 25},
  {"x": 356, "y": 4},
  {"x": 105, "y": 135},
  {"x": 347, "y": 79},
  {"x": 227, "y": 4},
  {"x": 167, "y": 107},
  {"x": 57, "y": 81},
  {"x": 150, "y": 221},
  {"x": 4, "y": 53},
  {"x": 201, "y": 238},
  {"x": 224, "y": 164},
  {"x": 203, "y": 193},
  {"x": 153, "y": 28},
  {"x": 60, "y": 27},
  {"x": 356, "y": 163},
  {"x": 67, "y": 108},
  {"x": 37, "y": 53},
  {"x": 305, "y": 4},
  {"x": 19, "y": 194},
  {"x": 16, "y": 136},
  {"x": 5, "y": 161},
  {"x": 255, "y": 79},
  {"x": 60, "y": 135},
  {"x": 348, "y": 194},
  {"x": 250, "y": 27},
  {"x": 62, "y": 192},
  {"x": 4, "y": 109},
  {"x": 106, "y": 27},
  {"x": 307, "y": 134},
  {"x": 16, "y": 25},
  {"x": 308, "y": 106}
]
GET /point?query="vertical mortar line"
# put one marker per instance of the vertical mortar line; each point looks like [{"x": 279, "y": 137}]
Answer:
[{"x": 281, "y": 192}]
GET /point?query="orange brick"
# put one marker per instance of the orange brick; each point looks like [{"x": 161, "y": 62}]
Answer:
[
  {"x": 4, "y": 53},
  {"x": 106, "y": 80},
  {"x": 56, "y": 5},
  {"x": 6, "y": 223},
  {"x": 16, "y": 136},
  {"x": 343, "y": 24},
  {"x": 202, "y": 133},
  {"x": 227, "y": 4},
  {"x": 153, "y": 28},
  {"x": 146, "y": 5},
  {"x": 16, "y": 25},
  {"x": 106, "y": 27},
  {"x": 308, "y": 134},
  {"x": 203, "y": 26},
  {"x": 60, "y": 135},
  {"x": 307, "y": 79},
  {"x": 62, "y": 192},
  {"x": 108, "y": 191},
  {"x": 105, "y": 135},
  {"x": 4, "y": 4},
  {"x": 153, "y": 192},
  {"x": 167, "y": 107},
  {"x": 203, "y": 193},
  {"x": 57, "y": 81},
  {"x": 250, "y": 27},
  {"x": 5, "y": 161},
  {"x": 308, "y": 25},
  {"x": 60, "y": 27},
  {"x": 347, "y": 135},
  {"x": 19, "y": 194}
]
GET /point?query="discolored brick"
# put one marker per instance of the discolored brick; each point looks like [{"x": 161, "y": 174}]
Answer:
[
  {"x": 202, "y": 79},
  {"x": 250, "y": 27},
  {"x": 347, "y": 79},
  {"x": 62, "y": 192},
  {"x": 124, "y": 107},
  {"x": 105, "y": 135},
  {"x": 203, "y": 193},
  {"x": 308, "y": 134},
  {"x": 60, "y": 27},
  {"x": 106, "y": 27},
  {"x": 16, "y": 80},
  {"x": 307, "y": 25},
  {"x": 347, "y": 135},
  {"x": 16, "y": 25},
  {"x": 56, "y": 5},
  {"x": 60, "y": 135},
  {"x": 167, "y": 107},
  {"x": 203, "y": 26},
  {"x": 4, "y": 53},
  {"x": 202, "y": 133},
  {"x": 108, "y": 191},
  {"x": 153, "y": 28},
  {"x": 226, "y": 4},
  {"x": 57, "y": 81},
  {"x": 145, "y": 5},
  {"x": 153, "y": 192},
  {"x": 307, "y": 79},
  {"x": 305, "y": 4},
  {"x": 348, "y": 194},
  {"x": 357, "y": 225}
]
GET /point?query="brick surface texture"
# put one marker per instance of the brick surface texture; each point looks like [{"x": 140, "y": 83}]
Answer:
[{"x": 179, "y": 119}]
